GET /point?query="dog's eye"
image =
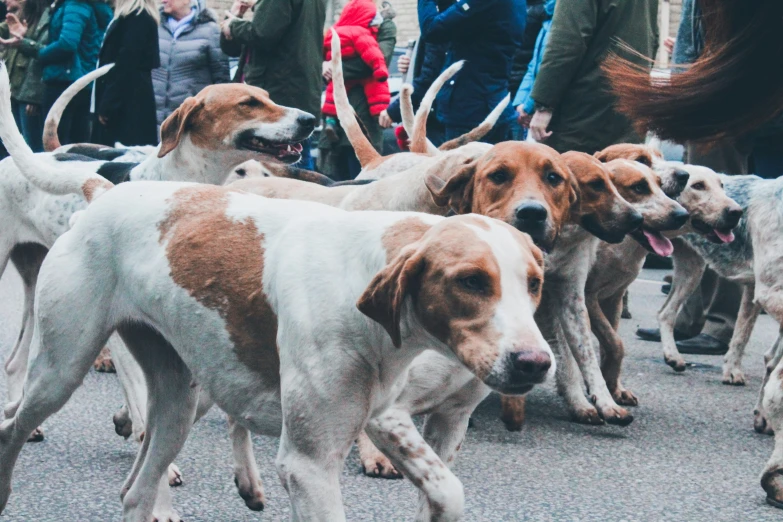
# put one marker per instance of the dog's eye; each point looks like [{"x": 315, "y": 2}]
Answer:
[
  {"x": 498, "y": 177},
  {"x": 250, "y": 102},
  {"x": 698, "y": 186},
  {"x": 554, "y": 179},
  {"x": 473, "y": 283},
  {"x": 241, "y": 172},
  {"x": 641, "y": 188},
  {"x": 534, "y": 285},
  {"x": 644, "y": 160},
  {"x": 597, "y": 185}
]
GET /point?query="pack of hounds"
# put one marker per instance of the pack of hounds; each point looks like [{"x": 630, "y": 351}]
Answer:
[{"x": 329, "y": 314}]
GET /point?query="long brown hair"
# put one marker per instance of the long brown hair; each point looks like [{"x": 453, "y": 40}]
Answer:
[{"x": 734, "y": 87}]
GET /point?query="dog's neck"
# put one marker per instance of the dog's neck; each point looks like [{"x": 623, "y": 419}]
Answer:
[{"x": 188, "y": 162}]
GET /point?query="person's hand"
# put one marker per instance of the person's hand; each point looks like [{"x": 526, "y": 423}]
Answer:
[
  {"x": 31, "y": 110},
  {"x": 326, "y": 70},
  {"x": 15, "y": 26},
  {"x": 14, "y": 41},
  {"x": 240, "y": 7},
  {"x": 384, "y": 120},
  {"x": 103, "y": 119},
  {"x": 668, "y": 44},
  {"x": 539, "y": 124},
  {"x": 225, "y": 26},
  {"x": 403, "y": 63},
  {"x": 522, "y": 117}
]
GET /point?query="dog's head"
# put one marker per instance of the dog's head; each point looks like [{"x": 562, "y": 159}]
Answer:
[
  {"x": 601, "y": 209},
  {"x": 473, "y": 283},
  {"x": 713, "y": 214},
  {"x": 526, "y": 185},
  {"x": 238, "y": 120},
  {"x": 641, "y": 187},
  {"x": 673, "y": 176}
]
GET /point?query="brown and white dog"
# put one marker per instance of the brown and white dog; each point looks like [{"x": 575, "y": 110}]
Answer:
[
  {"x": 617, "y": 266},
  {"x": 213, "y": 288}
]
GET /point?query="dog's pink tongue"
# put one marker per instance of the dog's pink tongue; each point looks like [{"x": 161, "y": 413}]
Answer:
[
  {"x": 661, "y": 245},
  {"x": 726, "y": 237}
]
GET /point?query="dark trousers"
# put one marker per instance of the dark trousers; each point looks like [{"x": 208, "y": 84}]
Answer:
[
  {"x": 713, "y": 307},
  {"x": 500, "y": 132},
  {"x": 30, "y": 125},
  {"x": 75, "y": 124}
]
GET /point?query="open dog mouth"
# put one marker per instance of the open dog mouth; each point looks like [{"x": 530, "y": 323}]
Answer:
[
  {"x": 653, "y": 241},
  {"x": 717, "y": 235},
  {"x": 289, "y": 152}
]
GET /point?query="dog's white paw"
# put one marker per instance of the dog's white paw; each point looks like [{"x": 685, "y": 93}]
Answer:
[
  {"x": 251, "y": 491},
  {"x": 175, "y": 476},
  {"x": 165, "y": 516},
  {"x": 733, "y": 376}
]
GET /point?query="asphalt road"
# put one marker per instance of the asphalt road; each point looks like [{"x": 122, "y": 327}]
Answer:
[{"x": 691, "y": 453}]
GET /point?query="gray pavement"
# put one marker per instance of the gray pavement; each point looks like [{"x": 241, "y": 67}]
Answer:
[{"x": 691, "y": 453}]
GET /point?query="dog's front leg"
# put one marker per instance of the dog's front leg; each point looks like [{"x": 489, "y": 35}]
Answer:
[
  {"x": 246, "y": 476},
  {"x": 746, "y": 319},
  {"x": 771, "y": 359},
  {"x": 575, "y": 324},
  {"x": 688, "y": 269},
  {"x": 612, "y": 348},
  {"x": 394, "y": 433},
  {"x": 772, "y": 477}
]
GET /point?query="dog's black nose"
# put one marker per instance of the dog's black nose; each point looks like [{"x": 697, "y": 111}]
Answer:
[
  {"x": 682, "y": 177},
  {"x": 733, "y": 217},
  {"x": 531, "y": 211},
  {"x": 533, "y": 365},
  {"x": 680, "y": 217},
  {"x": 306, "y": 119}
]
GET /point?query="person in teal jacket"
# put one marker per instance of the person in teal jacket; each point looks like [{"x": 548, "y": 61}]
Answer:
[
  {"x": 524, "y": 104},
  {"x": 75, "y": 33}
]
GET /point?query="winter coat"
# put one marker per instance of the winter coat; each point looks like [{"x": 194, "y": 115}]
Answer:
[
  {"x": 486, "y": 34},
  {"x": 523, "y": 94},
  {"x": 280, "y": 50},
  {"x": 570, "y": 80},
  {"x": 536, "y": 15},
  {"x": 188, "y": 63},
  {"x": 358, "y": 39},
  {"x": 125, "y": 95},
  {"x": 427, "y": 66},
  {"x": 30, "y": 89},
  {"x": 75, "y": 35}
]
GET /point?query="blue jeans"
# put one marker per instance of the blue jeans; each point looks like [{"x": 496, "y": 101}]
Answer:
[{"x": 307, "y": 158}]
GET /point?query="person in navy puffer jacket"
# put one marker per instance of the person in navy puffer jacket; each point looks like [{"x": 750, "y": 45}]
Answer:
[{"x": 486, "y": 34}]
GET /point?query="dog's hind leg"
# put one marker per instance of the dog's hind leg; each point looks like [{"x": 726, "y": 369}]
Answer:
[
  {"x": 771, "y": 359},
  {"x": 746, "y": 319},
  {"x": 246, "y": 476},
  {"x": 688, "y": 269},
  {"x": 374, "y": 462},
  {"x": 441, "y": 492},
  {"x": 27, "y": 258},
  {"x": 171, "y": 410},
  {"x": 772, "y": 476}
]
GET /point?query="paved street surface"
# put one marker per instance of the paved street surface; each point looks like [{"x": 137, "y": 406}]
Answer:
[{"x": 691, "y": 453}]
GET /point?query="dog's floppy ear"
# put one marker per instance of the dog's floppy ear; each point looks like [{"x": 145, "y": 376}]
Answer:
[
  {"x": 457, "y": 191},
  {"x": 176, "y": 124},
  {"x": 382, "y": 299}
]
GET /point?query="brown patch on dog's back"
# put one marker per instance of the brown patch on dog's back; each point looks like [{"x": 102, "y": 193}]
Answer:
[
  {"x": 402, "y": 234},
  {"x": 94, "y": 186},
  {"x": 220, "y": 262},
  {"x": 643, "y": 154}
]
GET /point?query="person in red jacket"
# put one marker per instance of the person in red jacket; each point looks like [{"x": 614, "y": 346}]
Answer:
[{"x": 357, "y": 29}]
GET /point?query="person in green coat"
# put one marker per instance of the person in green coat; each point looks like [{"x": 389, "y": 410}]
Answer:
[
  {"x": 280, "y": 50},
  {"x": 574, "y": 106},
  {"x": 25, "y": 30}
]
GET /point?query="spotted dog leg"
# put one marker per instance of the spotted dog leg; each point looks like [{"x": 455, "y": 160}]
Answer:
[
  {"x": 771, "y": 359},
  {"x": 746, "y": 319},
  {"x": 393, "y": 433}
]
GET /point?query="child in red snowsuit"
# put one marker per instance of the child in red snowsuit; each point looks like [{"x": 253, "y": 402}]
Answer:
[{"x": 358, "y": 30}]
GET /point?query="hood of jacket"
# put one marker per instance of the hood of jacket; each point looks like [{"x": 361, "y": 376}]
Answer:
[
  {"x": 549, "y": 7},
  {"x": 357, "y": 12}
]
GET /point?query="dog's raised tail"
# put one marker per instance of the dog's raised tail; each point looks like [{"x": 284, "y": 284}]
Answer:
[
  {"x": 483, "y": 128},
  {"x": 60, "y": 179},
  {"x": 365, "y": 152},
  {"x": 50, "y": 139},
  {"x": 419, "y": 141}
]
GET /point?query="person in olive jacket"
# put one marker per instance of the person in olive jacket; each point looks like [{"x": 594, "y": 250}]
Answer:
[
  {"x": 573, "y": 103},
  {"x": 124, "y": 98},
  {"x": 280, "y": 50}
]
